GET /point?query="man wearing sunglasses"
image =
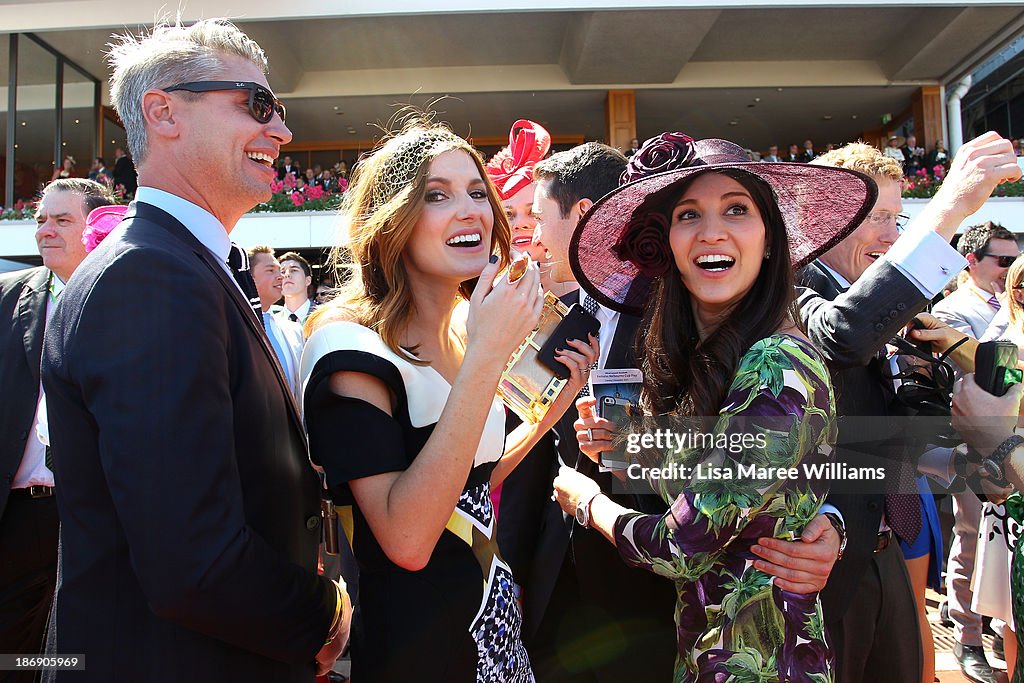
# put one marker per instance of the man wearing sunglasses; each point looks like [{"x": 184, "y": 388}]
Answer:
[
  {"x": 191, "y": 514},
  {"x": 989, "y": 249}
]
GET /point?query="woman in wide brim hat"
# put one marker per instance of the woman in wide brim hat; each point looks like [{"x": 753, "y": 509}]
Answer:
[{"x": 704, "y": 244}]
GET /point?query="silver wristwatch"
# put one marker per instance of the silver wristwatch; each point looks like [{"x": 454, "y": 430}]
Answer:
[{"x": 583, "y": 510}]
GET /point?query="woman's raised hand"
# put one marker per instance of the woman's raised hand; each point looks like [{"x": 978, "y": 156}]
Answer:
[
  {"x": 594, "y": 434},
  {"x": 501, "y": 314}
]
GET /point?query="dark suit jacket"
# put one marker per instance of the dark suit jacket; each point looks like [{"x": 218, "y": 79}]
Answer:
[
  {"x": 190, "y": 511},
  {"x": 639, "y": 605},
  {"x": 125, "y": 174},
  {"x": 849, "y": 331},
  {"x": 23, "y": 296}
]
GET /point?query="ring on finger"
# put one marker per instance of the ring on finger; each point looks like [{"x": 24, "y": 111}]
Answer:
[{"x": 590, "y": 434}]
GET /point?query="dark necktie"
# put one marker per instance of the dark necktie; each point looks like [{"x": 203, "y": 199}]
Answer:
[
  {"x": 294, "y": 318},
  {"x": 238, "y": 262},
  {"x": 590, "y": 306},
  {"x": 903, "y": 510}
]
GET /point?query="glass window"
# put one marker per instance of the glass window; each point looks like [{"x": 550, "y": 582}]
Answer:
[
  {"x": 78, "y": 123},
  {"x": 5, "y": 51},
  {"x": 34, "y": 163}
]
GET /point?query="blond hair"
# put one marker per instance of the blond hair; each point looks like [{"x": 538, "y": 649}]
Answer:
[
  {"x": 168, "y": 55},
  {"x": 860, "y": 156},
  {"x": 1013, "y": 277},
  {"x": 381, "y": 209}
]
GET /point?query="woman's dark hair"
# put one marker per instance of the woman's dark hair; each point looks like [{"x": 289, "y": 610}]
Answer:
[{"x": 685, "y": 376}]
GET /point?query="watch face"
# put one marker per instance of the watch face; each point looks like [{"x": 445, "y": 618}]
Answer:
[
  {"x": 581, "y": 515},
  {"x": 992, "y": 468}
]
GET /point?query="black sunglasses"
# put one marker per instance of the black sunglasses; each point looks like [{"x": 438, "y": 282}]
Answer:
[
  {"x": 262, "y": 102},
  {"x": 1003, "y": 261}
]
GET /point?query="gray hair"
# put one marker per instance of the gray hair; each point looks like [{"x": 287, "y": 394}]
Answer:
[
  {"x": 170, "y": 54},
  {"x": 94, "y": 195}
]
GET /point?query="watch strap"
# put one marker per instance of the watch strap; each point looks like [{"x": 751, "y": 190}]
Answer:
[{"x": 840, "y": 528}]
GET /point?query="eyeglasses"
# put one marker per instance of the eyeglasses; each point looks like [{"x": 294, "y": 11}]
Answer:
[
  {"x": 262, "y": 102},
  {"x": 885, "y": 217},
  {"x": 1003, "y": 261}
]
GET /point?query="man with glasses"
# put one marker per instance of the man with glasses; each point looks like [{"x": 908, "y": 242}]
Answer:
[
  {"x": 190, "y": 513},
  {"x": 989, "y": 249},
  {"x": 868, "y": 602}
]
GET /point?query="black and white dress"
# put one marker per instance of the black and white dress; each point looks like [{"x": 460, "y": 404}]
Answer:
[{"x": 456, "y": 619}]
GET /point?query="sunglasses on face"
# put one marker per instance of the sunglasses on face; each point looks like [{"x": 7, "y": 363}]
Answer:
[
  {"x": 1003, "y": 261},
  {"x": 262, "y": 102}
]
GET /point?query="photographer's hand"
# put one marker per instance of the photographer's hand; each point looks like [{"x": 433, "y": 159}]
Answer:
[{"x": 984, "y": 421}]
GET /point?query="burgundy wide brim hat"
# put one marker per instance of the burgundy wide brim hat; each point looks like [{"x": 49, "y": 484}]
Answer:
[{"x": 620, "y": 247}]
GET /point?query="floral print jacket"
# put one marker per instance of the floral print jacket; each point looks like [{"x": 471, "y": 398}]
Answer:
[{"x": 732, "y": 623}]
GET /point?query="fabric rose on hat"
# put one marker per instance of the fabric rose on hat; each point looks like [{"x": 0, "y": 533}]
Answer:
[
  {"x": 667, "y": 152},
  {"x": 644, "y": 242}
]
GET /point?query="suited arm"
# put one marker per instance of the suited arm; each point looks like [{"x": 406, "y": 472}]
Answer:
[
  {"x": 166, "y": 424},
  {"x": 850, "y": 329}
]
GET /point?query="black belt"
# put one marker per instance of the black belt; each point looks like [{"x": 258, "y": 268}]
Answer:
[
  {"x": 884, "y": 539},
  {"x": 33, "y": 492}
]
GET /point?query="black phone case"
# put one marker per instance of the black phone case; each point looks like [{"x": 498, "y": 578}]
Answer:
[
  {"x": 990, "y": 362},
  {"x": 576, "y": 324}
]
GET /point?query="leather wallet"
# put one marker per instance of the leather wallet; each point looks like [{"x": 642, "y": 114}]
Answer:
[{"x": 527, "y": 386}]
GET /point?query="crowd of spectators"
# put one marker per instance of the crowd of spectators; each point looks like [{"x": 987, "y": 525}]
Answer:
[{"x": 314, "y": 181}]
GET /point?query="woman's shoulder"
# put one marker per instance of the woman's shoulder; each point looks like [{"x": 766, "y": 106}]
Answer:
[
  {"x": 785, "y": 351},
  {"x": 340, "y": 338}
]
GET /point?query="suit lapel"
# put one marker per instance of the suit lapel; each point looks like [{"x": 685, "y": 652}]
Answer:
[
  {"x": 32, "y": 317},
  {"x": 165, "y": 220}
]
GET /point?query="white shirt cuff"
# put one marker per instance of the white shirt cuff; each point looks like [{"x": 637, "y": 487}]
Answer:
[
  {"x": 937, "y": 463},
  {"x": 828, "y": 507},
  {"x": 926, "y": 259}
]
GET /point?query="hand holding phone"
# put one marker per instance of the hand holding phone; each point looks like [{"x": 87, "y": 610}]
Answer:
[
  {"x": 995, "y": 366},
  {"x": 577, "y": 324}
]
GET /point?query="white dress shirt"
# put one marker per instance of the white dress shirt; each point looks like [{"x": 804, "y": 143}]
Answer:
[
  {"x": 203, "y": 225},
  {"x": 33, "y": 470},
  {"x": 302, "y": 312}
]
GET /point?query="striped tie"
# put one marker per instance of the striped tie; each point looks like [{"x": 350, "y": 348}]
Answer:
[
  {"x": 238, "y": 262},
  {"x": 993, "y": 301},
  {"x": 590, "y": 306}
]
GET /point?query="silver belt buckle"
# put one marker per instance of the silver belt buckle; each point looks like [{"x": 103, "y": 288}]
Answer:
[{"x": 39, "y": 491}]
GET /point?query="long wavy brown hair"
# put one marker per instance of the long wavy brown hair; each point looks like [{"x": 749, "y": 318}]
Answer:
[
  {"x": 382, "y": 206},
  {"x": 684, "y": 375}
]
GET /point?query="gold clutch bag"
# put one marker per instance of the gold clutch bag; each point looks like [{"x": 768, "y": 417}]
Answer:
[{"x": 527, "y": 386}]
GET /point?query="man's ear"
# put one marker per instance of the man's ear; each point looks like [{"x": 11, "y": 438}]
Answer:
[
  {"x": 581, "y": 207},
  {"x": 309, "y": 281},
  {"x": 158, "y": 111},
  {"x": 972, "y": 260}
]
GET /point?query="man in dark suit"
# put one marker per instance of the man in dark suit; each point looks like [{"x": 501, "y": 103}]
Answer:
[
  {"x": 288, "y": 166},
  {"x": 28, "y": 509},
  {"x": 808, "y": 155},
  {"x": 124, "y": 173},
  {"x": 868, "y": 602},
  {"x": 190, "y": 514}
]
